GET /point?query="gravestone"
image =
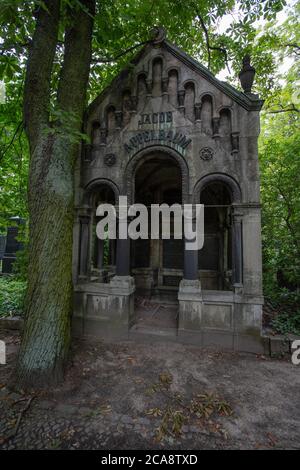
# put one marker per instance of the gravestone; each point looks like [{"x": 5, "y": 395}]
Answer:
[
  {"x": 12, "y": 245},
  {"x": 2, "y": 246}
]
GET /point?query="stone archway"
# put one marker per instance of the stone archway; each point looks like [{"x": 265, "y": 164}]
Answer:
[
  {"x": 147, "y": 153},
  {"x": 235, "y": 263},
  {"x": 235, "y": 190},
  {"x": 97, "y": 183}
]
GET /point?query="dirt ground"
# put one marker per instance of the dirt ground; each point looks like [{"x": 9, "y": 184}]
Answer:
[{"x": 158, "y": 395}]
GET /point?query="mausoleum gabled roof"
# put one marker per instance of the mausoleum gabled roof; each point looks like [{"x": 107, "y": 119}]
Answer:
[{"x": 249, "y": 101}]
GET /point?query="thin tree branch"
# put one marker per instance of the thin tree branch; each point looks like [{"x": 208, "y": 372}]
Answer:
[
  {"x": 291, "y": 108},
  {"x": 294, "y": 46},
  {"x": 14, "y": 432},
  {"x": 205, "y": 30},
  {"x": 103, "y": 60},
  {"x": 10, "y": 144},
  {"x": 209, "y": 47}
]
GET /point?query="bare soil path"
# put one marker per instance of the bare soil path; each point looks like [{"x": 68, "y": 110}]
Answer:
[{"x": 159, "y": 395}]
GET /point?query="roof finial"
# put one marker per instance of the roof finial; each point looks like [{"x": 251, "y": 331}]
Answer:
[
  {"x": 158, "y": 34},
  {"x": 246, "y": 75}
]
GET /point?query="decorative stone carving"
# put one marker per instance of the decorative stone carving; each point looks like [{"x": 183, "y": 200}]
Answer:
[
  {"x": 87, "y": 152},
  {"x": 181, "y": 96},
  {"x": 235, "y": 141},
  {"x": 216, "y": 126},
  {"x": 206, "y": 153},
  {"x": 158, "y": 35},
  {"x": 134, "y": 102},
  {"x": 198, "y": 111},
  {"x": 118, "y": 116},
  {"x": 103, "y": 134},
  {"x": 165, "y": 82},
  {"x": 110, "y": 159},
  {"x": 149, "y": 87},
  {"x": 246, "y": 75}
]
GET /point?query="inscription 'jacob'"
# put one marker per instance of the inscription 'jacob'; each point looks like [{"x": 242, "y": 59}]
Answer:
[{"x": 156, "y": 118}]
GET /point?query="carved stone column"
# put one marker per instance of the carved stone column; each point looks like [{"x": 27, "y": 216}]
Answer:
[
  {"x": 237, "y": 249},
  {"x": 134, "y": 103},
  {"x": 100, "y": 254},
  {"x": 190, "y": 269},
  {"x": 123, "y": 250},
  {"x": 87, "y": 152},
  {"x": 235, "y": 142},
  {"x": 165, "y": 82},
  {"x": 189, "y": 294},
  {"x": 84, "y": 220},
  {"x": 215, "y": 126},
  {"x": 198, "y": 107},
  {"x": 123, "y": 258},
  {"x": 119, "y": 119},
  {"x": 149, "y": 87},
  {"x": 181, "y": 97},
  {"x": 103, "y": 135},
  {"x": 164, "y": 88}
]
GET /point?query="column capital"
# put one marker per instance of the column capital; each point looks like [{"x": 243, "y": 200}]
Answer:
[{"x": 83, "y": 212}]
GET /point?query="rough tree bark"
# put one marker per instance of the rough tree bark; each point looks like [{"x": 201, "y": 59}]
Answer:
[{"x": 46, "y": 336}]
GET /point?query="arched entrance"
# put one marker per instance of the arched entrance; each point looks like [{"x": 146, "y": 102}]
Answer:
[
  {"x": 220, "y": 260},
  {"x": 97, "y": 258},
  {"x": 157, "y": 264},
  {"x": 215, "y": 258}
]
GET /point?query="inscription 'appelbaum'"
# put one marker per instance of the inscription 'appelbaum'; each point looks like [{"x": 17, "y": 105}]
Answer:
[{"x": 155, "y": 136}]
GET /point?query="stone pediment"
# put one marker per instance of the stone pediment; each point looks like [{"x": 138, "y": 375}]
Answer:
[
  {"x": 143, "y": 71},
  {"x": 165, "y": 96}
]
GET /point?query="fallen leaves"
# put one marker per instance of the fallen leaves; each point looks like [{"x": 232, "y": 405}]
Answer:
[
  {"x": 179, "y": 411},
  {"x": 154, "y": 412}
]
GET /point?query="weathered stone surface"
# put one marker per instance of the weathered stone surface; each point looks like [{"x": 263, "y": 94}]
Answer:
[
  {"x": 170, "y": 131},
  {"x": 11, "y": 323}
]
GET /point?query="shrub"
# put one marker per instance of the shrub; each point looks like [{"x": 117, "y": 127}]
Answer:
[
  {"x": 285, "y": 323},
  {"x": 12, "y": 293}
]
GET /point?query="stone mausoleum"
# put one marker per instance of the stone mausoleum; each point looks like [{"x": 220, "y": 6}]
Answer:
[{"x": 167, "y": 131}]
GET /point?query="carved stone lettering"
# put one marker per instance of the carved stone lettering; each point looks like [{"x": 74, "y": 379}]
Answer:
[
  {"x": 159, "y": 136},
  {"x": 154, "y": 118}
]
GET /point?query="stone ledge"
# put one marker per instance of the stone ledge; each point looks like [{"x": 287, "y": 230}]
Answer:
[
  {"x": 11, "y": 323},
  {"x": 279, "y": 345}
]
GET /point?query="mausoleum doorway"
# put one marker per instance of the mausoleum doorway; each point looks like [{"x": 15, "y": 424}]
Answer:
[
  {"x": 157, "y": 264},
  {"x": 215, "y": 258}
]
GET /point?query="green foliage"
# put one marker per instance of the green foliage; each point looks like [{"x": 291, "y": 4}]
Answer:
[
  {"x": 286, "y": 323},
  {"x": 14, "y": 156},
  {"x": 280, "y": 182},
  {"x": 12, "y": 293}
]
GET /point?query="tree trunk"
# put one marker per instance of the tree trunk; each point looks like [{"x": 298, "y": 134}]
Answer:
[{"x": 46, "y": 335}]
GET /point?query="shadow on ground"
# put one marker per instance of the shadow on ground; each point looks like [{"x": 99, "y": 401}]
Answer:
[{"x": 155, "y": 396}]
